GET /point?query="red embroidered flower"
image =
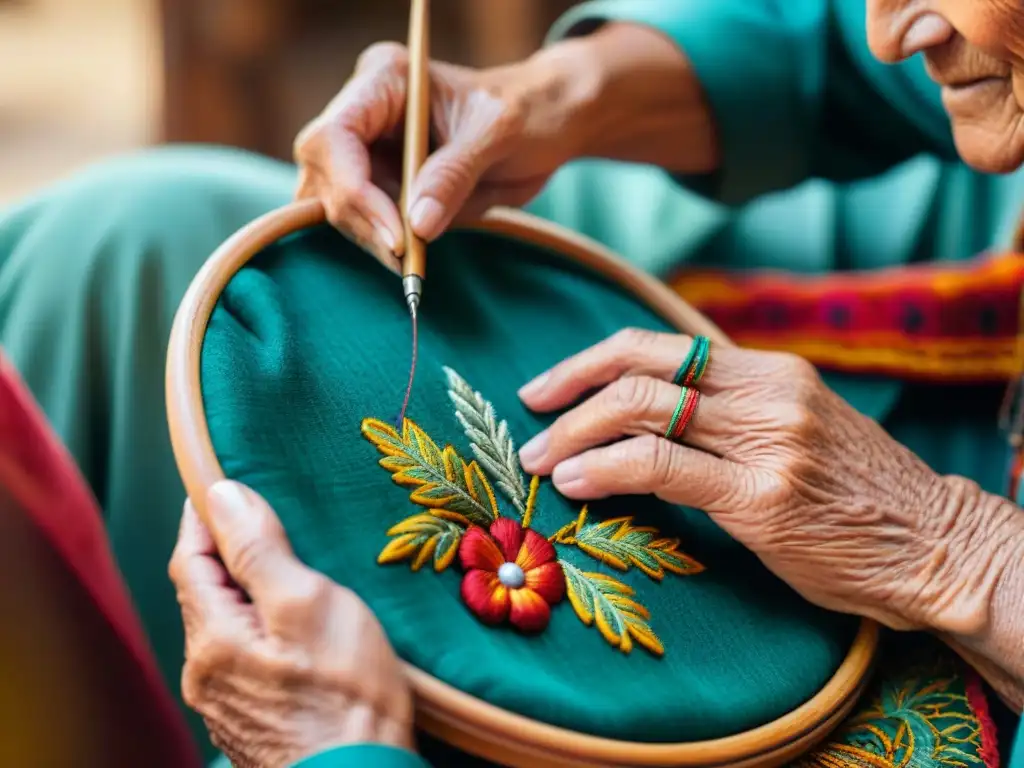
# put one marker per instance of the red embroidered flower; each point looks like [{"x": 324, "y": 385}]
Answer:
[{"x": 511, "y": 573}]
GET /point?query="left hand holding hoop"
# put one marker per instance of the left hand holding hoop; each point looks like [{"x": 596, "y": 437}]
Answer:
[
  {"x": 281, "y": 662},
  {"x": 824, "y": 496}
]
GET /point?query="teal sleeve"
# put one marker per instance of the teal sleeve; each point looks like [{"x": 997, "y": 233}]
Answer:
[
  {"x": 1017, "y": 756},
  {"x": 361, "y": 755},
  {"x": 795, "y": 91}
]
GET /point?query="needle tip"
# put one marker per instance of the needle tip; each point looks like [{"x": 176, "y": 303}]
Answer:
[{"x": 412, "y": 286}]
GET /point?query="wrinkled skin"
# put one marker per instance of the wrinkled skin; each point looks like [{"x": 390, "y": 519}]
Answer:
[
  {"x": 974, "y": 49},
  {"x": 281, "y": 662},
  {"x": 829, "y": 502},
  {"x": 833, "y": 505},
  {"x": 492, "y": 150}
]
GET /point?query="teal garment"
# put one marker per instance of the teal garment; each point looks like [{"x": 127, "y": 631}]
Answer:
[
  {"x": 1017, "y": 758},
  {"x": 353, "y": 756},
  {"x": 149, "y": 220},
  {"x": 91, "y": 272},
  {"x": 800, "y": 104},
  {"x": 363, "y": 756},
  {"x": 824, "y": 106},
  {"x": 78, "y": 341}
]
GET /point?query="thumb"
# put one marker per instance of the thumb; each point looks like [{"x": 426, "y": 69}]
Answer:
[
  {"x": 251, "y": 542},
  {"x": 450, "y": 175}
]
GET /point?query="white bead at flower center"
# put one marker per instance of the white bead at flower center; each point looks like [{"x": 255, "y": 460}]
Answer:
[{"x": 511, "y": 575}]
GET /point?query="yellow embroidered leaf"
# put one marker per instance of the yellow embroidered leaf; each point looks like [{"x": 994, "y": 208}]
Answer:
[
  {"x": 455, "y": 517},
  {"x": 608, "y": 604},
  {"x": 620, "y": 544},
  {"x": 415, "y": 462},
  {"x": 421, "y": 538},
  {"x": 472, "y": 477}
]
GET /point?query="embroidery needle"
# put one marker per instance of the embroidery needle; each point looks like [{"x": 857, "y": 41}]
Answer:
[{"x": 417, "y": 135}]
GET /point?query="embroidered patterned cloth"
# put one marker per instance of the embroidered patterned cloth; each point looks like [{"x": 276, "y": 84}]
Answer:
[
  {"x": 942, "y": 322},
  {"x": 926, "y": 709},
  {"x": 312, "y": 339}
]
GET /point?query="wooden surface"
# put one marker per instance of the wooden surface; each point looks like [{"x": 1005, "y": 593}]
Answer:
[
  {"x": 250, "y": 73},
  {"x": 93, "y": 78}
]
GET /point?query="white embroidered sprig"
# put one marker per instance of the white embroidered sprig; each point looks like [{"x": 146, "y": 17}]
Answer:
[{"x": 489, "y": 439}]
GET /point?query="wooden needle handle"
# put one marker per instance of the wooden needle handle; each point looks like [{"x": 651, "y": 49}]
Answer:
[{"x": 417, "y": 129}]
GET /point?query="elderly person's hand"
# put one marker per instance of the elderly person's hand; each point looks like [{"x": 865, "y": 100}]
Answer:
[
  {"x": 281, "y": 662},
  {"x": 830, "y": 503},
  {"x": 499, "y": 143},
  {"x": 626, "y": 92}
]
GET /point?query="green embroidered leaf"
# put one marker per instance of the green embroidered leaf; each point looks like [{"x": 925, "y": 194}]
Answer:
[
  {"x": 490, "y": 440},
  {"x": 440, "y": 480},
  {"x": 918, "y": 713},
  {"x": 608, "y": 603},
  {"x": 421, "y": 538},
  {"x": 619, "y": 544}
]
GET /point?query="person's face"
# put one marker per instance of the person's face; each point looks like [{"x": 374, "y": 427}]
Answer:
[{"x": 974, "y": 49}]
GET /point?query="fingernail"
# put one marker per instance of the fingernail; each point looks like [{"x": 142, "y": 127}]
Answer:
[
  {"x": 228, "y": 498},
  {"x": 568, "y": 471},
  {"x": 425, "y": 217},
  {"x": 386, "y": 237},
  {"x": 534, "y": 450},
  {"x": 535, "y": 387},
  {"x": 568, "y": 475}
]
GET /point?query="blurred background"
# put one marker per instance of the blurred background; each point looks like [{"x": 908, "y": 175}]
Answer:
[{"x": 81, "y": 79}]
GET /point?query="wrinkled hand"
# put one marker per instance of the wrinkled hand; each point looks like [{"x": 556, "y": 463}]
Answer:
[
  {"x": 281, "y": 662},
  {"x": 830, "y": 503},
  {"x": 497, "y": 133}
]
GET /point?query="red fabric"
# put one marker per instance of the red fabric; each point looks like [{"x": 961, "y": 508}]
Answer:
[
  {"x": 978, "y": 701},
  {"x": 942, "y": 322},
  {"x": 39, "y": 480}
]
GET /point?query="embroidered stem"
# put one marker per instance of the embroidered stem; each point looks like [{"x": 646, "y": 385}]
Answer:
[{"x": 531, "y": 501}]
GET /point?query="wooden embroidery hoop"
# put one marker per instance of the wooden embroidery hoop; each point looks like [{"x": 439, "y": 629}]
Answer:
[{"x": 443, "y": 711}]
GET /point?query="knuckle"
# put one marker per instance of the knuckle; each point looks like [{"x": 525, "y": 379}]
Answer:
[
  {"x": 210, "y": 653},
  {"x": 338, "y": 208},
  {"x": 306, "y": 597},
  {"x": 382, "y": 55},
  {"x": 802, "y": 374},
  {"x": 176, "y": 568},
  {"x": 632, "y": 396},
  {"x": 205, "y": 660},
  {"x": 656, "y": 460},
  {"x": 453, "y": 178},
  {"x": 793, "y": 418},
  {"x": 249, "y": 553},
  {"x": 306, "y": 140},
  {"x": 629, "y": 339},
  {"x": 190, "y": 691}
]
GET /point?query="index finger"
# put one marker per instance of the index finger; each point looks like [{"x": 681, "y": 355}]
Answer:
[
  {"x": 632, "y": 351},
  {"x": 205, "y": 591},
  {"x": 333, "y": 152}
]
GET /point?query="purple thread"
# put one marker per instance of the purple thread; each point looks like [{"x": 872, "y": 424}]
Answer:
[{"x": 412, "y": 374}]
